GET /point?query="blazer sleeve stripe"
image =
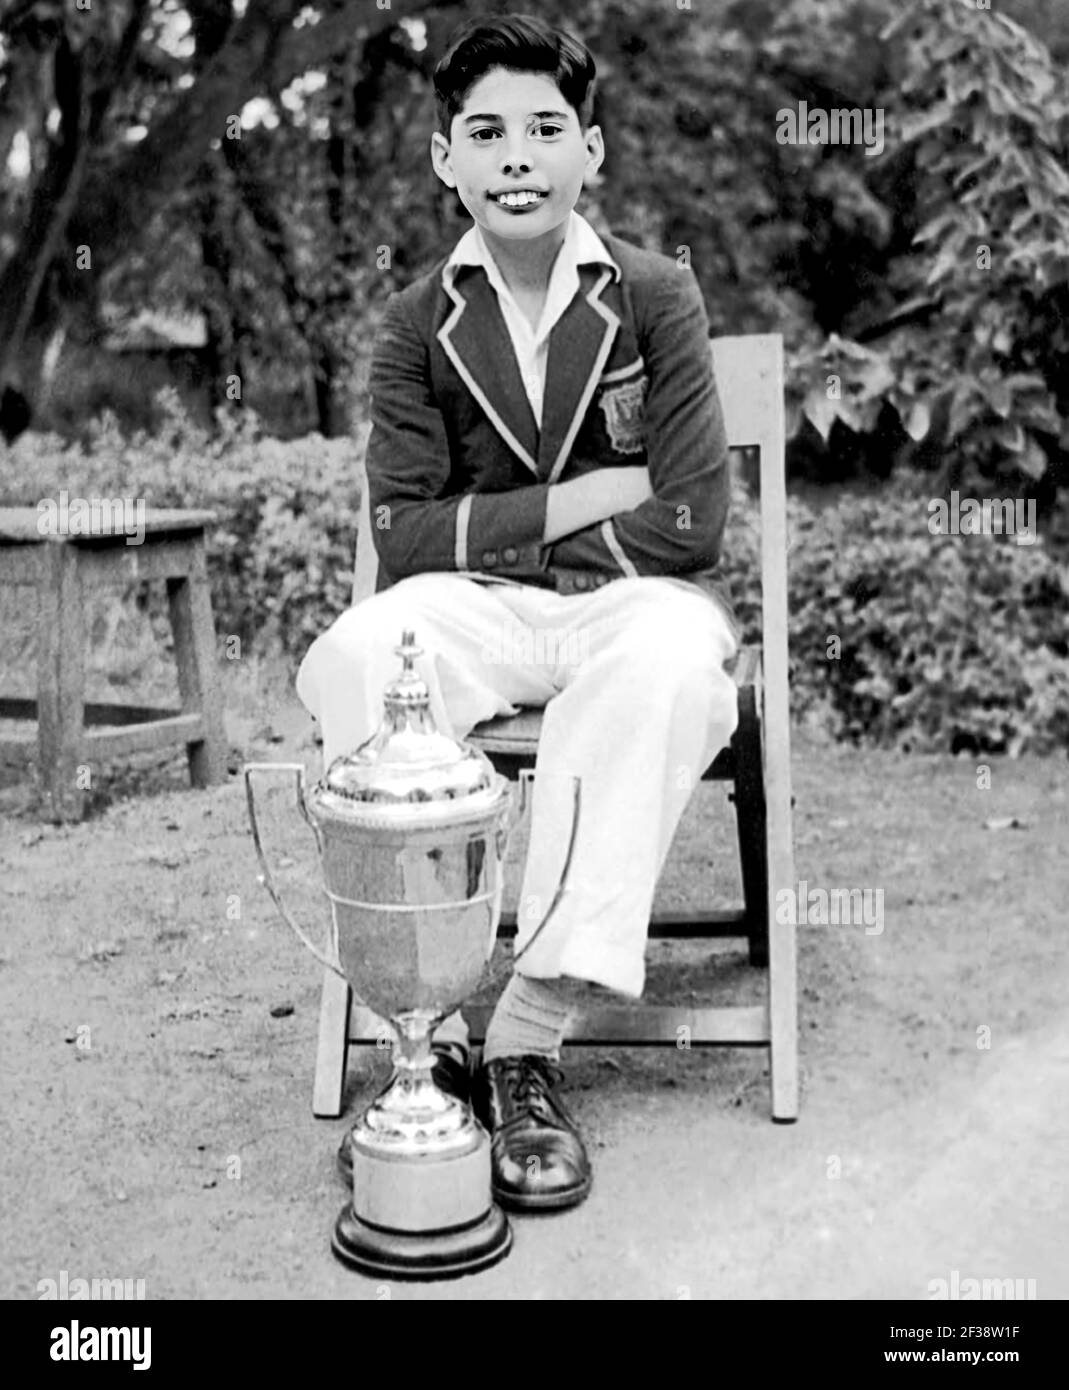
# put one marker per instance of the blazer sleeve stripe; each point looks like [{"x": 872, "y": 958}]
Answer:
[
  {"x": 608, "y": 535},
  {"x": 460, "y": 552}
]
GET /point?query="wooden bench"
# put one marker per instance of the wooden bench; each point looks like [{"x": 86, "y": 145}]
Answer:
[{"x": 72, "y": 734}]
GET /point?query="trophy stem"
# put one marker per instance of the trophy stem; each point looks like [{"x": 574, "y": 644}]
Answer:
[
  {"x": 413, "y": 1048},
  {"x": 412, "y": 1114},
  {"x": 413, "y": 1091}
]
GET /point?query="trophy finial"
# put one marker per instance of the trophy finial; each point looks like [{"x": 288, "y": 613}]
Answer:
[
  {"x": 408, "y": 760},
  {"x": 407, "y": 694},
  {"x": 408, "y": 651}
]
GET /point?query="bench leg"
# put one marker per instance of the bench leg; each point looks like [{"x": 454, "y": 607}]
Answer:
[
  {"x": 198, "y": 682},
  {"x": 60, "y": 683},
  {"x": 332, "y": 1051}
]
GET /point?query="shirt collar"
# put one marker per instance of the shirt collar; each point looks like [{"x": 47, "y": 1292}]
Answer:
[{"x": 582, "y": 246}]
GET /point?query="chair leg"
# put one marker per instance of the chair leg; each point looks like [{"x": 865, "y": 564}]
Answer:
[
  {"x": 61, "y": 641},
  {"x": 782, "y": 941},
  {"x": 333, "y": 1049},
  {"x": 783, "y": 1009},
  {"x": 189, "y": 598},
  {"x": 751, "y": 821}
]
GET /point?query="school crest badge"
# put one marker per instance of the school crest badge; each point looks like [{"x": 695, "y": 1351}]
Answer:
[{"x": 622, "y": 408}]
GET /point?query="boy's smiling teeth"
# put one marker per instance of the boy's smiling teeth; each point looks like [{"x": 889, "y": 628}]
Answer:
[{"x": 520, "y": 199}]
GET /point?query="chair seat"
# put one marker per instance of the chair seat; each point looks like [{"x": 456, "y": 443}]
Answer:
[
  {"x": 515, "y": 734},
  {"x": 511, "y": 741}
]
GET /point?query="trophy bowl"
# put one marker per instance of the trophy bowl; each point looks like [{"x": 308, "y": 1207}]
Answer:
[{"x": 412, "y": 829}]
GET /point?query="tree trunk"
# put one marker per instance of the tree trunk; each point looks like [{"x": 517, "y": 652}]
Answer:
[
  {"x": 216, "y": 305},
  {"x": 305, "y": 317},
  {"x": 51, "y": 204},
  {"x": 83, "y": 106},
  {"x": 79, "y": 201}
]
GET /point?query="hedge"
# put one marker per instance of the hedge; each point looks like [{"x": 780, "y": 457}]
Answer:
[{"x": 898, "y": 638}]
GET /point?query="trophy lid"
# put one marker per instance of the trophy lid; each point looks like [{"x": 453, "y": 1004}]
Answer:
[{"x": 408, "y": 760}]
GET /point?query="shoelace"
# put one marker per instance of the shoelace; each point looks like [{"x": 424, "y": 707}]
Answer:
[{"x": 529, "y": 1079}]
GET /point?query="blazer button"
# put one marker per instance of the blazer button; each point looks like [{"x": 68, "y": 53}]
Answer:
[
  {"x": 510, "y": 555},
  {"x": 582, "y": 581},
  {"x": 600, "y": 580},
  {"x": 489, "y": 558}
]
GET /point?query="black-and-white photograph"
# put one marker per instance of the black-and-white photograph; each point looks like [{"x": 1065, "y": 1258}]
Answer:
[{"x": 534, "y": 681}]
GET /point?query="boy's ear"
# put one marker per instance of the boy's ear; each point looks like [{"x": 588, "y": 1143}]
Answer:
[
  {"x": 441, "y": 159},
  {"x": 595, "y": 155}
]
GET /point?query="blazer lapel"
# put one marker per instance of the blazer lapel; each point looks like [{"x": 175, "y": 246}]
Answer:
[
  {"x": 579, "y": 347},
  {"x": 475, "y": 339}
]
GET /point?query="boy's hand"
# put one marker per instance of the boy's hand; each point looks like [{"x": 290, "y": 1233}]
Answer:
[
  {"x": 594, "y": 497},
  {"x": 624, "y": 488}
]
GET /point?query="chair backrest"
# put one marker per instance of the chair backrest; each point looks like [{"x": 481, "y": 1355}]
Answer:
[
  {"x": 749, "y": 377},
  {"x": 366, "y": 569}
]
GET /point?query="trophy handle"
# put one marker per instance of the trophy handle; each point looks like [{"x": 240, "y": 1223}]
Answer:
[
  {"x": 266, "y": 877},
  {"x": 518, "y": 809},
  {"x": 526, "y": 777}
]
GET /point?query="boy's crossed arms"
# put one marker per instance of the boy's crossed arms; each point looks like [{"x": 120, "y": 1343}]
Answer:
[
  {"x": 447, "y": 491},
  {"x": 594, "y": 497}
]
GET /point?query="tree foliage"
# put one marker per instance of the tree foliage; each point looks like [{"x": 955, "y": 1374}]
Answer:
[
  {"x": 286, "y": 234},
  {"x": 974, "y": 352}
]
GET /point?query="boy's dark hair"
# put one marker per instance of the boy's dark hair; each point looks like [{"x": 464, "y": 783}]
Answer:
[{"x": 521, "y": 43}]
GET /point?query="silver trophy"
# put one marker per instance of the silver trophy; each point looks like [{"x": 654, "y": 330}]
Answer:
[{"x": 412, "y": 830}]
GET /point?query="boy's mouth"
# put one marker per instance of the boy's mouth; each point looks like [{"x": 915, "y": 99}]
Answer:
[{"x": 519, "y": 198}]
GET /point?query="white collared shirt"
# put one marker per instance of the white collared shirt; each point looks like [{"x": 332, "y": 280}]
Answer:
[{"x": 581, "y": 245}]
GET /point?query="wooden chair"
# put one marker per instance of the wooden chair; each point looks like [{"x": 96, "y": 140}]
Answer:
[{"x": 749, "y": 374}]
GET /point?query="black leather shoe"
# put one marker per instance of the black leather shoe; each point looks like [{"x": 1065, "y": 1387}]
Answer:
[
  {"x": 452, "y": 1070},
  {"x": 451, "y": 1073},
  {"x": 537, "y": 1157}
]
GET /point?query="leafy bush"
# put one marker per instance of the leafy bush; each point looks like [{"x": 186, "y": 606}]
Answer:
[
  {"x": 946, "y": 643},
  {"x": 280, "y": 557},
  {"x": 957, "y": 643}
]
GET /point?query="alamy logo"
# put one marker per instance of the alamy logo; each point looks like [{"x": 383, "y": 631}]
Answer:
[
  {"x": 65, "y": 1288},
  {"x": 994, "y": 516},
  {"x": 93, "y": 516},
  {"x": 840, "y": 126},
  {"x": 77, "y": 1343},
  {"x": 834, "y": 907},
  {"x": 957, "y": 1288},
  {"x": 519, "y": 645}
]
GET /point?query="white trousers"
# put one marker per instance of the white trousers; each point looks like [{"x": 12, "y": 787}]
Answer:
[{"x": 637, "y": 704}]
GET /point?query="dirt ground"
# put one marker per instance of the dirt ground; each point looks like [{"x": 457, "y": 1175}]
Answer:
[{"x": 159, "y": 1031}]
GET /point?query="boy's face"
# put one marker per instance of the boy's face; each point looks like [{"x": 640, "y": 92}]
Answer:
[{"x": 515, "y": 133}]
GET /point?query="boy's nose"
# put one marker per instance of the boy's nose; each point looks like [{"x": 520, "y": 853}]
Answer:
[{"x": 515, "y": 161}]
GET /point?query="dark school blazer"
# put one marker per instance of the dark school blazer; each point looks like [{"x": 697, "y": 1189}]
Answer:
[{"x": 458, "y": 469}]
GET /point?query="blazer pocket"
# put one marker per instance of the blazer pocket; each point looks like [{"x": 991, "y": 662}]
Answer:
[{"x": 622, "y": 399}]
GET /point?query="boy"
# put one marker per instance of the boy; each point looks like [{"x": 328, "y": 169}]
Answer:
[{"x": 547, "y": 472}]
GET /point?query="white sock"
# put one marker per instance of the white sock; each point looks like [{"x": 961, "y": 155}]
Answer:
[{"x": 531, "y": 1016}]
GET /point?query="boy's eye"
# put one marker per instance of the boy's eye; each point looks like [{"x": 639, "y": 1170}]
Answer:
[{"x": 545, "y": 128}]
